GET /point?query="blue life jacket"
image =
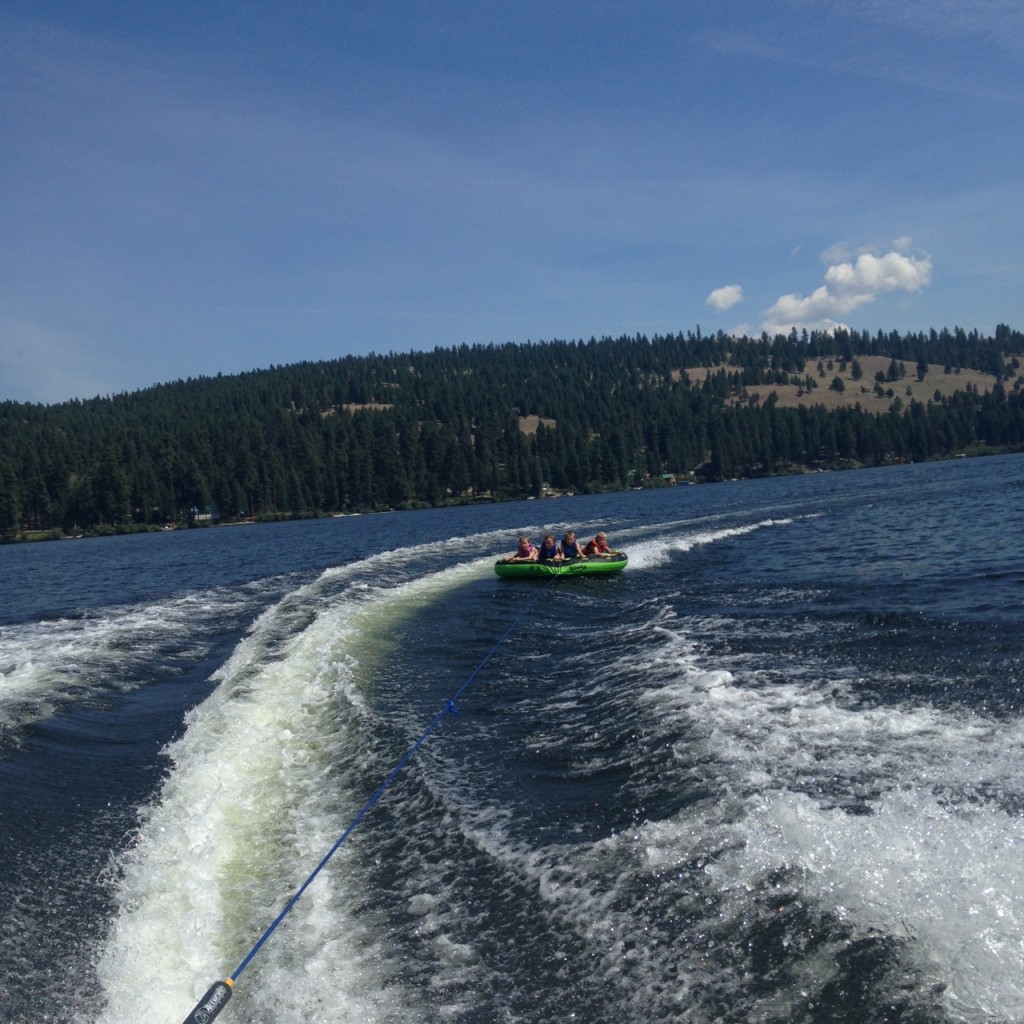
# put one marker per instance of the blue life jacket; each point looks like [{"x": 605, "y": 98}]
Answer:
[{"x": 548, "y": 553}]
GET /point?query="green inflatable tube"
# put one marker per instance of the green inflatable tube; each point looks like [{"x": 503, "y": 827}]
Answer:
[{"x": 593, "y": 566}]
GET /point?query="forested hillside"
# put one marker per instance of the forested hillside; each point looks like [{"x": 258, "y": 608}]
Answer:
[{"x": 504, "y": 421}]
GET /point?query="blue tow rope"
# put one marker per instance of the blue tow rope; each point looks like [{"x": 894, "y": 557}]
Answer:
[{"x": 217, "y": 995}]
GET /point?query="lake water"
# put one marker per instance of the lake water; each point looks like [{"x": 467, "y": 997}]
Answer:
[{"x": 771, "y": 772}]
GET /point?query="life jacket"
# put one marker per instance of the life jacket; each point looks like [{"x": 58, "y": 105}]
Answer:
[{"x": 548, "y": 553}]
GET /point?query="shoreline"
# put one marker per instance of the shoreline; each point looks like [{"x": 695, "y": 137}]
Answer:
[{"x": 125, "y": 529}]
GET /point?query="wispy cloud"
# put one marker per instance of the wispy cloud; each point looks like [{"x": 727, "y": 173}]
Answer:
[
  {"x": 917, "y": 25},
  {"x": 997, "y": 21},
  {"x": 725, "y": 297},
  {"x": 848, "y": 285}
]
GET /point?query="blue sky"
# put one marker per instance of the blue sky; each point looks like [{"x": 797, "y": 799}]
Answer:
[{"x": 200, "y": 188}]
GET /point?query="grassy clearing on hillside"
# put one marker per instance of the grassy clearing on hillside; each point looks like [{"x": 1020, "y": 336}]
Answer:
[{"x": 859, "y": 391}]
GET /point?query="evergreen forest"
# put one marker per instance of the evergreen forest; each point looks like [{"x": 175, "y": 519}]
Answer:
[{"x": 498, "y": 422}]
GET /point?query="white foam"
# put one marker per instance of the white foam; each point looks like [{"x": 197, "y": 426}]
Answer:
[
  {"x": 202, "y": 877},
  {"x": 945, "y": 878},
  {"x": 902, "y": 820},
  {"x": 255, "y": 800},
  {"x": 44, "y": 664},
  {"x": 657, "y": 550}
]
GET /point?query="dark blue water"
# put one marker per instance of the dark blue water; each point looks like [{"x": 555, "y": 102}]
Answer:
[{"x": 771, "y": 772}]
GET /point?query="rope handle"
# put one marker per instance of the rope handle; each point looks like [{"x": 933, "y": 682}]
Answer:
[{"x": 215, "y": 999}]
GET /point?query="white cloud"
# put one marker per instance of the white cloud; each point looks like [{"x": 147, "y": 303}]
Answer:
[
  {"x": 845, "y": 251},
  {"x": 725, "y": 297},
  {"x": 839, "y": 251},
  {"x": 849, "y": 285}
]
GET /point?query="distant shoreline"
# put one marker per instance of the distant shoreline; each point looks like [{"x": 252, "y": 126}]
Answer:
[{"x": 127, "y": 529}]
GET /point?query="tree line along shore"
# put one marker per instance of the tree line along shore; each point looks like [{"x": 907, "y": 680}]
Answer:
[{"x": 503, "y": 422}]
